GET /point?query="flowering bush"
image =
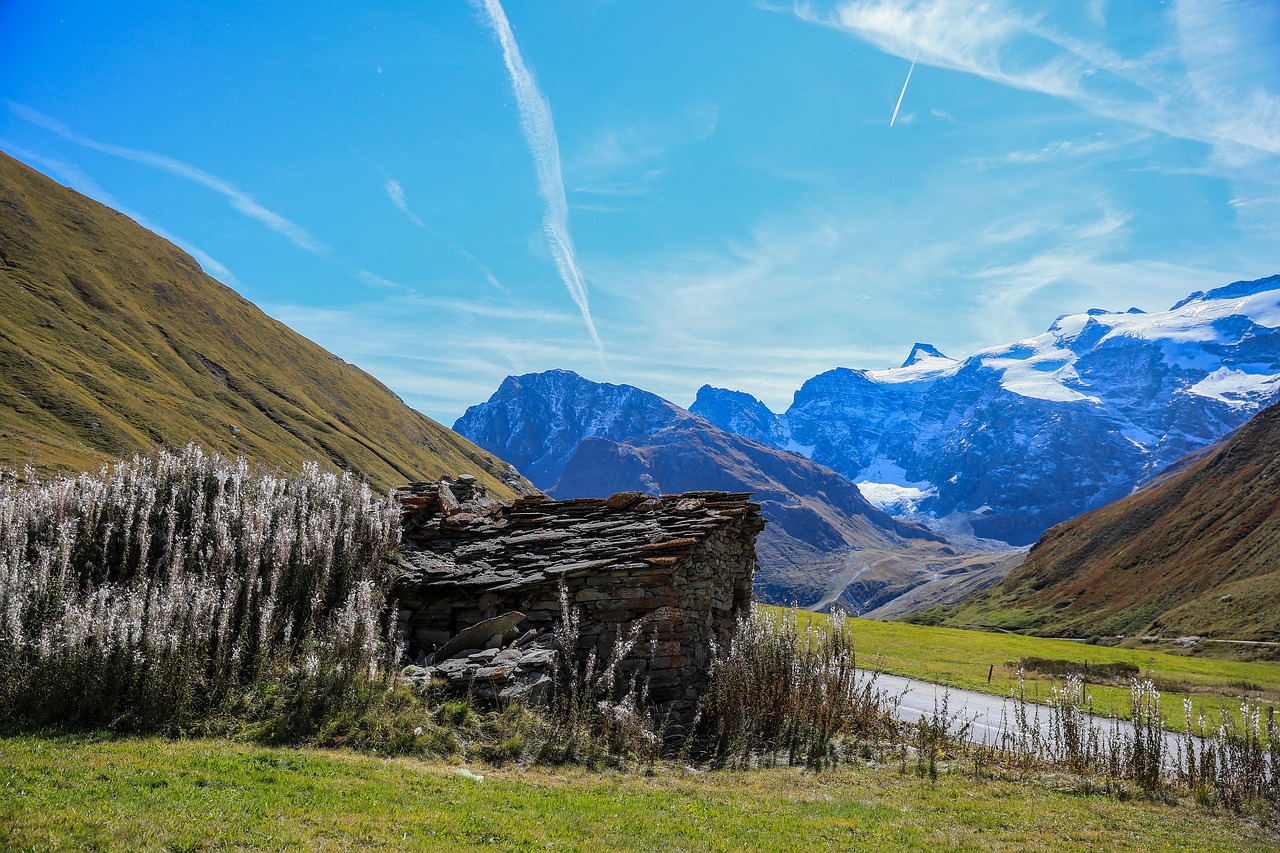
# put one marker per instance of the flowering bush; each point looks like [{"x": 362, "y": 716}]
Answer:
[{"x": 148, "y": 594}]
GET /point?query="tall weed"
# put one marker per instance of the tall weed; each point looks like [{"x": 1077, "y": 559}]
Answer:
[{"x": 596, "y": 713}]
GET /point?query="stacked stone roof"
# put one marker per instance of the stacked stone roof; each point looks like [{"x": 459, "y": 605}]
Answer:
[{"x": 456, "y": 536}]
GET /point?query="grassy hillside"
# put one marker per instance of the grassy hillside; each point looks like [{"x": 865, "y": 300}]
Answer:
[
  {"x": 1196, "y": 554},
  {"x": 113, "y": 340},
  {"x": 83, "y": 793}
]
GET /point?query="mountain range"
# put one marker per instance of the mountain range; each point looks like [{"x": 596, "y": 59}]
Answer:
[
  {"x": 824, "y": 543},
  {"x": 113, "y": 341},
  {"x": 1016, "y": 438}
]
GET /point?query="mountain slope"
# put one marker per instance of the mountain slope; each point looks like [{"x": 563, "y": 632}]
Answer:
[
  {"x": 114, "y": 341},
  {"x": 577, "y": 438},
  {"x": 1197, "y": 554},
  {"x": 1016, "y": 438}
]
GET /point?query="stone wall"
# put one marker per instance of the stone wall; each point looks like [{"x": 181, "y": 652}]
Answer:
[{"x": 681, "y": 565}]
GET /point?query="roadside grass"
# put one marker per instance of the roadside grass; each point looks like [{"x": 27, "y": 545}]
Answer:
[
  {"x": 960, "y": 658},
  {"x": 92, "y": 792}
]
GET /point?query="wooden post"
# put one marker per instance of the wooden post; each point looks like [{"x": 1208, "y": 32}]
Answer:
[{"x": 990, "y": 670}]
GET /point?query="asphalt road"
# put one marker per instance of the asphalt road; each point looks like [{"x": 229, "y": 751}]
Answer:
[
  {"x": 988, "y": 715},
  {"x": 991, "y": 716}
]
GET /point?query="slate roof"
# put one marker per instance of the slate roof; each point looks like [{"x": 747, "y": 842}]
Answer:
[{"x": 456, "y": 536}]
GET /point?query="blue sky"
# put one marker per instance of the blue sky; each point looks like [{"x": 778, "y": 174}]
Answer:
[{"x": 666, "y": 193}]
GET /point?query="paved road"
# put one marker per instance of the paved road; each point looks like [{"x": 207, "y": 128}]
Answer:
[{"x": 990, "y": 716}]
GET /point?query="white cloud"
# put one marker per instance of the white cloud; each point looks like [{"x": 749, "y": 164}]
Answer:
[{"x": 239, "y": 199}]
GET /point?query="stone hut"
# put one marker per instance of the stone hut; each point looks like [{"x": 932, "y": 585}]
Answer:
[{"x": 681, "y": 565}]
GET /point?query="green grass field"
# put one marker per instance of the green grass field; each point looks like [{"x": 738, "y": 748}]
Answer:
[
  {"x": 960, "y": 658},
  {"x": 84, "y": 793}
]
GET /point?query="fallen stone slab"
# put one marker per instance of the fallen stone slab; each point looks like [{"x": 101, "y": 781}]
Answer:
[{"x": 479, "y": 634}]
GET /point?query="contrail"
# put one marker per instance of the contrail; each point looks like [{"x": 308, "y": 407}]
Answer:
[
  {"x": 903, "y": 93},
  {"x": 396, "y": 193},
  {"x": 540, "y": 133},
  {"x": 239, "y": 199}
]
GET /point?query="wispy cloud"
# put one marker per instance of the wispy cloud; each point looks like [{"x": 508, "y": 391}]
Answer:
[
  {"x": 374, "y": 280},
  {"x": 1070, "y": 260},
  {"x": 474, "y": 345},
  {"x": 73, "y": 177},
  {"x": 1089, "y": 150},
  {"x": 631, "y": 158},
  {"x": 521, "y": 313},
  {"x": 1205, "y": 95},
  {"x": 1207, "y": 70},
  {"x": 239, "y": 199},
  {"x": 540, "y": 133},
  {"x": 396, "y": 193}
]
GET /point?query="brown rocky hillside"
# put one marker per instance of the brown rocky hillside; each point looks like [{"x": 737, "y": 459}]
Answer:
[
  {"x": 113, "y": 341},
  {"x": 1194, "y": 554}
]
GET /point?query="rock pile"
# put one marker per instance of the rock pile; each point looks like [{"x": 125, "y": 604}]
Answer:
[
  {"x": 512, "y": 666},
  {"x": 681, "y": 565}
]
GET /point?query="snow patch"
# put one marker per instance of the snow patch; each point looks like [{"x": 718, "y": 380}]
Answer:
[
  {"x": 924, "y": 368},
  {"x": 893, "y": 498},
  {"x": 885, "y": 485},
  {"x": 1027, "y": 380},
  {"x": 1139, "y": 437},
  {"x": 1237, "y": 388}
]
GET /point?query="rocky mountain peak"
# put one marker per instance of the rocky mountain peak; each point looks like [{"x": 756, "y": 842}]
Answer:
[
  {"x": 923, "y": 352},
  {"x": 744, "y": 415},
  {"x": 581, "y": 439}
]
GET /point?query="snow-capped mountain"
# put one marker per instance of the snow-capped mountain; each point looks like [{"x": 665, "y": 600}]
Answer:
[
  {"x": 577, "y": 438},
  {"x": 1017, "y": 438}
]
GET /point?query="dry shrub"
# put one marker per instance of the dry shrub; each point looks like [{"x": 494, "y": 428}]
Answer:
[{"x": 779, "y": 692}]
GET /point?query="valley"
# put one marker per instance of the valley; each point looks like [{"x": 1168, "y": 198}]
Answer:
[{"x": 837, "y": 425}]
